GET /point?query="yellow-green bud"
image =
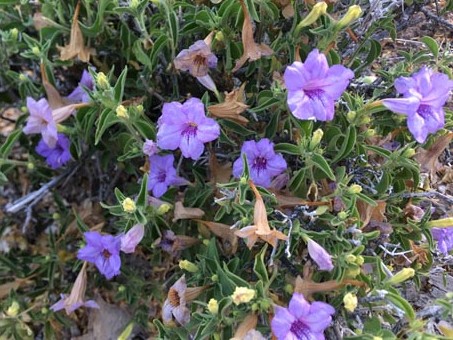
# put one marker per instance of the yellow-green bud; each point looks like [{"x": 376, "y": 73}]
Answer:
[
  {"x": 243, "y": 181},
  {"x": 219, "y": 36},
  {"x": 56, "y": 216},
  {"x": 213, "y": 306},
  {"x": 355, "y": 189},
  {"x": 409, "y": 152},
  {"x": 206, "y": 242},
  {"x": 13, "y": 310},
  {"x": 377, "y": 338},
  {"x": 121, "y": 289},
  {"x": 342, "y": 215},
  {"x": 129, "y": 205},
  {"x": 44, "y": 310},
  {"x": 14, "y": 33},
  {"x": 317, "y": 136},
  {"x": 350, "y": 116},
  {"x": 126, "y": 333},
  {"x": 214, "y": 278},
  {"x": 22, "y": 77},
  {"x": 134, "y": 3},
  {"x": 121, "y": 112},
  {"x": 319, "y": 9},
  {"x": 163, "y": 209},
  {"x": 36, "y": 51},
  {"x": 350, "y": 258},
  {"x": 102, "y": 81},
  {"x": 360, "y": 260},
  {"x": 243, "y": 295},
  {"x": 370, "y": 133},
  {"x": 449, "y": 295},
  {"x": 365, "y": 120},
  {"x": 188, "y": 266},
  {"x": 265, "y": 304},
  {"x": 30, "y": 166},
  {"x": 403, "y": 275},
  {"x": 354, "y": 12},
  {"x": 442, "y": 223},
  {"x": 139, "y": 108},
  {"x": 289, "y": 288},
  {"x": 350, "y": 302},
  {"x": 353, "y": 272}
]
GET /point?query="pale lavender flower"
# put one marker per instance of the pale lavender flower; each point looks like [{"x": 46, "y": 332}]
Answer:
[
  {"x": 75, "y": 300},
  {"x": 57, "y": 156},
  {"x": 41, "y": 121},
  {"x": 103, "y": 251},
  {"x": 162, "y": 174},
  {"x": 262, "y": 160},
  {"x": 175, "y": 305},
  {"x": 320, "y": 256},
  {"x": 150, "y": 147},
  {"x": 302, "y": 320},
  {"x": 424, "y": 95},
  {"x": 132, "y": 238},
  {"x": 444, "y": 238},
  {"x": 313, "y": 86},
  {"x": 197, "y": 59},
  {"x": 80, "y": 95},
  {"x": 186, "y": 126}
]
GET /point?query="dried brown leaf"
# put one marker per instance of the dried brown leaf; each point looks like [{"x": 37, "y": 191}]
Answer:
[
  {"x": 287, "y": 201},
  {"x": 224, "y": 232},
  {"x": 428, "y": 159},
  {"x": 232, "y": 107},
  {"x": 8, "y": 120},
  {"x": 249, "y": 322},
  {"x": 183, "y": 213},
  {"x": 219, "y": 173},
  {"x": 5, "y": 288},
  {"x": 368, "y": 212},
  {"x": 307, "y": 287}
]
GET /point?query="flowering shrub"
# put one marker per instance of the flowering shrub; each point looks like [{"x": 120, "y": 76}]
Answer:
[{"x": 231, "y": 169}]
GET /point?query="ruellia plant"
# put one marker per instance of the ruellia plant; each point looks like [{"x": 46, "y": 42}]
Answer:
[{"x": 223, "y": 169}]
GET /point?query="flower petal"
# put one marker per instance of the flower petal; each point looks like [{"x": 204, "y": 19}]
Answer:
[{"x": 406, "y": 106}]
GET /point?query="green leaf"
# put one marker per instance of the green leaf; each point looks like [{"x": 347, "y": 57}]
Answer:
[
  {"x": 137, "y": 49},
  {"x": 118, "y": 90},
  {"x": 259, "y": 267},
  {"x": 271, "y": 128},
  {"x": 142, "y": 199},
  {"x": 321, "y": 163},
  {"x": 288, "y": 148},
  {"x": 348, "y": 144},
  {"x": 401, "y": 303},
  {"x": 5, "y": 149},
  {"x": 3, "y": 178},
  {"x": 366, "y": 199},
  {"x": 159, "y": 44},
  {"x": 106, "y": 119},
  {"x": 432, "y": 45},
  {"x": 120, "y": 197}
]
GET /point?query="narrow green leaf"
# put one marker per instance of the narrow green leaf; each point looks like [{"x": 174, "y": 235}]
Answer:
[
  {"x": 5, "y": 149},
  {"x": 143, "y": 194},
  {"x": 106, "y": 119},
  {"x": 432, "y": 45},
  {"x": 288, "y": 148},
  {"x": 118, "y": 90},
  {"x": 321, "y": 163},
  {"x": 401, "y": 303}
]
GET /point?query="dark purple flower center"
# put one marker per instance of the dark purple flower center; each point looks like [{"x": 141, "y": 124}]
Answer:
[
  {"x": 259, "y": 164},
  {"x": 300, "y": 330},
  {"x": 190, "y": 130},
  {"x": 106, "y": 254},
  {"x": 200, "y": 60},
  {"x": 316, "y": 94},
  {"x": 424, "y": 111},
  {"x": 161, "y": 177}
]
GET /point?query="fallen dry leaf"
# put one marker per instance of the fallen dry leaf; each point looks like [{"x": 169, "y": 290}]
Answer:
[
  {"x": 76, "y": 46},
  {"x": 249, "y": 322},
  {"x": 428, "y": 159},
  {"x": 5, "y": 288},
  {"x": 8, "y": 119},
  {"x": 219, "y": 173},
  {"x": 368, "y": 212},
  {"x": 225, "y": 233},
  {"x": 287, "y": 201},
  {"x": 53, "y": 96},
  {"x": 307, "y": 287},
  {"x": 183, "y": 213},
  {"x": 232, "y": 107},
  {"x": 252, "y": 50}
]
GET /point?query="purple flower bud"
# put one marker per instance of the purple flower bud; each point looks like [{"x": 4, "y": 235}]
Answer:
[
  {"x": 132, "y": 238},
  {"x": 320, "y": 256},
  {"x": 150, "y": 148}
]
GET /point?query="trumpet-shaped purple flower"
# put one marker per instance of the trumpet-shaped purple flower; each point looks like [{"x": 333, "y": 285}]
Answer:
[
  {"x": 162, "y": 174},
  {"x": 79, "y": 95},
  {"x": 186, "y": 126},
  {"x": 132, "y": 238},
  {"x": 424, "y": 95},
  {"x": 41, "y": 121},
  {"x": 302, "y": 320},
  {"x": 444, "y": 238},
  {"x": 262, "y": 160},
  {"x": 320, "y": 256},
  {"x": 175, "y": 306},
  {"x": 103, "y": 251},
  {"x": 57, "y": 156},
  {"x": 313, "y": 86},
  {"x": 197, "y": 59}
]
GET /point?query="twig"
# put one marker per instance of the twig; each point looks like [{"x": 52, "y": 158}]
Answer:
[
  {"x": 436, "y": 18},
  {"x": 426, "y": 194}
]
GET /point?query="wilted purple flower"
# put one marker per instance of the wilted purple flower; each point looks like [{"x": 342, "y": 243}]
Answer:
[
  {"x": 162, "y": 174},
  {"x": 41, "y": 121},
  {"x": 175, "y": 304},
  {"x": 186, "y": 126},
  {"x": 302, "y": 320},
  {"x": 262, "y": 160},
  {"x": 313, "y": 86},
  {"x": 197, "y": 59},
  {"x": 79, "y": 95},
  {"x": 149, "y": 147},
  {"x": 103, "y": 251},
  {"x": 173, "y": 244},
  {"x": 444, "y": 238},
  {"x": 424, "y": 95},
  {"x": 76, "y": 298},
  {"x": 132, "y": 238},
  {"x": 57, "y": 156},
  {"x": 320, "y": 256}
]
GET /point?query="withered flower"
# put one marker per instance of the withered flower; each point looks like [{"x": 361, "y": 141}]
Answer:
[
  {"x": 232, "y": 107},
  {"x": 246, "y": 329},
  {"x": 225, "y": 233},
  {"x": 261, "y": 228},
  {"x": 173, "y": 244},
  {"x": 252, "y": 50},
  {"x": 76, "y": 46},
  {"x": 183, "y": 213}
]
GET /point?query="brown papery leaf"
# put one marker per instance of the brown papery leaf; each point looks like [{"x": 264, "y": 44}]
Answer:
[
  {"x": 53, "y": 96},
  {"x": 183, "y": 213},
  {"x": 40, "y": 21},
  {"x": 249, "y": 322},
  {"x": 219, "y": 173},
  {"x": 5, "y": 288},
  {"x": 252, "y": 50},
  {"x": 368, "y": 212},
  {"x": 428, "y": 158},
  {"x": 288, "y": 201},
  {"x": 224, "y": 232},
  {"x": 307, "y": 287},
  {"x": 76, "y": 46},
  {"x": 232, "y": 107}
]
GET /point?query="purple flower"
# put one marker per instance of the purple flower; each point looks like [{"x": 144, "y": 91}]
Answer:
[
  {"x": 320, "y": 256},
  {"x": 150, "y": 148},
  {"x": 444, "y": 238},
  {"x": 57, "y": 156},
  {"x": 79, "y": 95},
  {"x": 313, "y": 86},
  {"x": 424, "y": 95},
  {"x": 41, "y": 121},
  {"x": 186, "y": 126},
  {"x": 175, "y": 307},
  {"x": 262, "y": 160},
  {"x": 103, "y": 251},
  {"x": 132, "y": 238},
  {"x": 302, "y": 320},
  {"x": 162, "y": 174},
  {"x": 197, "y": 59}
]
